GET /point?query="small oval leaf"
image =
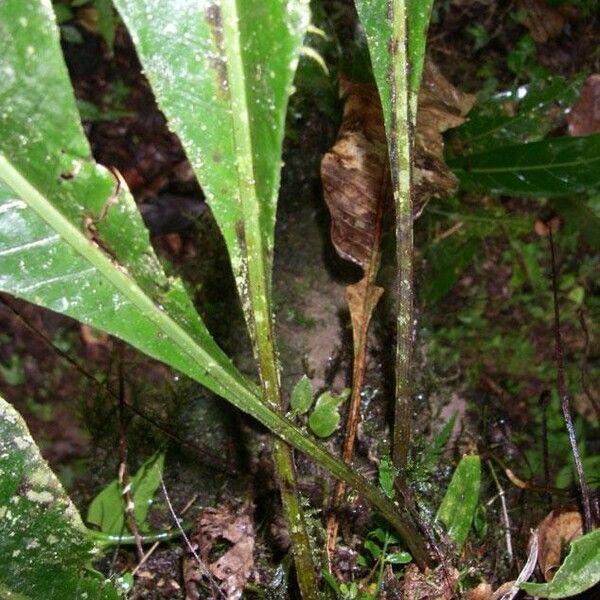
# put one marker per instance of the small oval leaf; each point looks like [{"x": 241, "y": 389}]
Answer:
[
  {"x": 325, "y": 417},
  {"x": 302, "y": 396}
]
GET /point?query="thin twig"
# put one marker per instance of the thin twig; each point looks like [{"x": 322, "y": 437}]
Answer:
[
  {"x": 527, "y": 570},
  {"x": 154, "y": 546},
  {"x": 565, "y": 399},
  {"x": 203, "y": 568},
  {"x": 505, "y": 517},
  {"x": 124, "y": 480}
]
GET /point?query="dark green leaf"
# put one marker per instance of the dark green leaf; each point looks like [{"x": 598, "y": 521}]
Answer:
[
  {"x": 325, "y": 417},
  {"x": 552, "y": 167},
  {"x": 302, "y": 396},
  {"x": 458, "y": 507},
  {"x": 419, "y": 14},
  {"x": 579, "y": 572},
  {"x": 106, "y": 22},
  {"x": 373, "y": 548},
  {"x": 331, "y": 581},
  {"x": 44, "y": 551},
  {"x": 525, "y": 114},
  {"x": 446, "y": 262},
  {"x": 580, "y": 216},
  {"x": 432, "y": 451}
]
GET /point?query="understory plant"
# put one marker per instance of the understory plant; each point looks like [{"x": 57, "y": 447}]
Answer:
[{"x": 73, "y": 241}]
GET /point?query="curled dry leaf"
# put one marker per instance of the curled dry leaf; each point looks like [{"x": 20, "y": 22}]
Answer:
[
  {"x": 355, "y": 171},
  {"x": 355, "y": 175},
  {"x": 233, "y": 568},
  {"x": 441, "y": 107},
  {"x": 544, "y": 22},
  {"x": 584, "y": 116},
  {"x": 558, "y": 529}
]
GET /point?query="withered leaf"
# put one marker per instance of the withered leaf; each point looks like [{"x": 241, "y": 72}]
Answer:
[
  {"x": 355, "y": 175},
  {"x": 584, "y": 116},
  {"x": 441, "y": 107},
  {"x": 557, "y": 530},
  {"x": 232, "y": 569}
]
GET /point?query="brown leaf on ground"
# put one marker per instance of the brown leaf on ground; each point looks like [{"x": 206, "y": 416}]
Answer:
[
  {"x": 544, "y": 22},
  {"x": 482, "y": 592},
  {"x": 558, "y": 529},
  {"x": 437, "y": 585},
  {"x": 441, "y": 107},
  {"x": 584, "y": 117},
  {"x": 234, "y": 566}
]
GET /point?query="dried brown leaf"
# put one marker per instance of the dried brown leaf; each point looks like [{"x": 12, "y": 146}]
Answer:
[
  {"x": 558, "y": 529},
  {"x": 544, "y": 22},
  {"x": 233, "y": 568},
  {"x": 441, "y": 107},
  {"x": 482, "y": 592},
  {"x": 355, "y": 172},
  {"x": 355, "y": 175},
  {"x": 584, "y": 116}
]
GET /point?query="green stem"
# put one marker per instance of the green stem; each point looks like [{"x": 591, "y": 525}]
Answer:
[
  {"x": 256, "y": 301},
  {"x": 105, "y": 540},
  {"x": 400, "y": 145}
]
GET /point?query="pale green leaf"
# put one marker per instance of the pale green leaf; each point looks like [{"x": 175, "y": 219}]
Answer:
[
  {"x": 579, "y": 572},
  {"x": 44, "y": 551},
  {"x": 302, "y": 396},
  {"x": 325, "y": 417},
  {"x": 107, "y": 509},
  {"x": 460, "y": 502},
  {"x": 222, "y": 73}
]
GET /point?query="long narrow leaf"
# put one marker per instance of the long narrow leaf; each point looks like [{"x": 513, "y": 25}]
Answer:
[
  {"x": 222, "y": 74},
  {"x": 69, "y": 239}
]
